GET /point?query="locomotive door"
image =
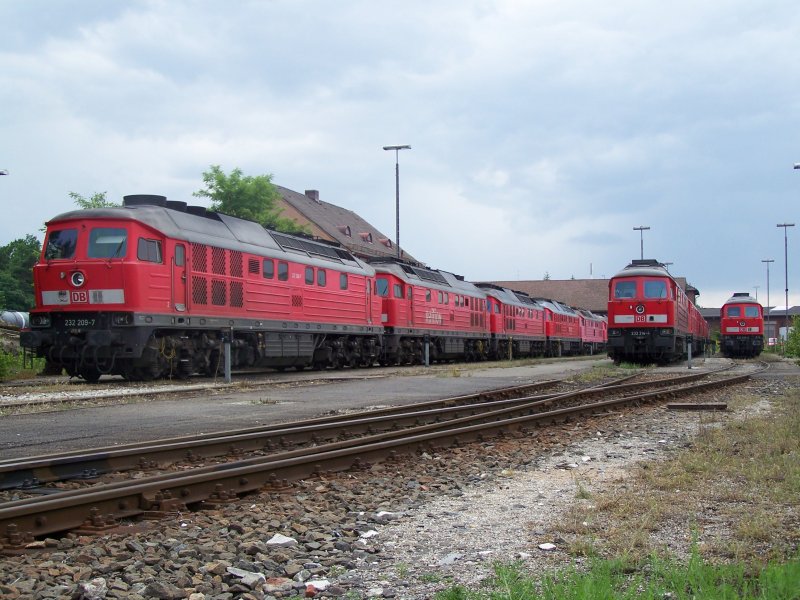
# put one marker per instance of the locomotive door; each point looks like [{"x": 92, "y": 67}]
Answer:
[
  {"x": 179, "y": 278},
  {"x": 369, "y": 301},
  {"x": 410, "y": 306}
]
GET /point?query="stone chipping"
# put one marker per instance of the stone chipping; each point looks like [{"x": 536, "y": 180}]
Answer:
[{"x": 400, "y": 529}]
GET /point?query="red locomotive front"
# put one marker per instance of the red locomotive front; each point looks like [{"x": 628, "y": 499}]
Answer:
[
  {"x": 742, "y": 326},
  {"x": 516, "y": 322},
  {"x": 650, "y": 317},
  {"x": 426, "y": 305}
]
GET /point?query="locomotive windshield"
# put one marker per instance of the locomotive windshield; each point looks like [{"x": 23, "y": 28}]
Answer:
[
  {"x": 751, "y": 311},
  {"x": 655, "y": 289},
  {"x": 734, "y": 311},
  {"x": 107, "y": 242},
  {"x": 61, "y": 244},
  {"x": 625, "y": 289}
]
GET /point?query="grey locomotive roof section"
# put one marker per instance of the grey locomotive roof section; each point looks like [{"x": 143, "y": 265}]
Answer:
[
  {"x": 452, "y": 283},
  {"x": 223, "y": 231},
  {"x": 742, "y": 298},
  {"x": 555, "y": 306},
  {"x": 508, "y": 296}
]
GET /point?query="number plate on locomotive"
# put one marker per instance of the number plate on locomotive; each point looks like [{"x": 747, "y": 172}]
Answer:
[{"x": 85, "y": 322}]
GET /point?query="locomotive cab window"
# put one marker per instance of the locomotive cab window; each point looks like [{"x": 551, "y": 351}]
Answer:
[
  {"x": 751, "y": 311},
  {"x": 398, "y": 290},
  {"x": 427, "y": 295},
  {"x": 107, "y": 242},
  {"x": 625, "y": 289},
  {"x": 180, "y": 255},
  {"x": 382, "y": 287},
  {"x": 734, "y": 311},
  {"x": 655, "y": 289},
  {"x": 61, "y": 244},
  {"x": 148, "y": 250},
  {"x": 268, "y": 269}
]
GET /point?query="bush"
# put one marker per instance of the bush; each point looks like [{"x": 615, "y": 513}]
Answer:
[{"x": 13, "y": 367}]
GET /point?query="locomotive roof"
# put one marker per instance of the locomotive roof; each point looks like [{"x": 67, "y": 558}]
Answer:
[
  {"x": 647, "y": 267},
  {"x": 741, "y": 298},
  {"x": 224, "y": 231},
  {"x": 432, "y": 278},
  {"x": 509, "y": 296},
  {"x": 556, "y": 306}
]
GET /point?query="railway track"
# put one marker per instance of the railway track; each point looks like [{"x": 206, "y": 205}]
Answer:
[{"x": 316, "y": 448}]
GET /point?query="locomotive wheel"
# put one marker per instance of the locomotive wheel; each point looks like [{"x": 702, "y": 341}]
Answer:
[{"x": 90, "y": 374}]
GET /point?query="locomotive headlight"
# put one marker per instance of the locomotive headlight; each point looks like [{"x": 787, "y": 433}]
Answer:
[
  {"x": 122, "y": 318},
  {"x": 40, "y": 320},
  {"x": 77, "y": 278},
  {"x": 640, "y": 309},
  {"x": 665, "y": 331}
]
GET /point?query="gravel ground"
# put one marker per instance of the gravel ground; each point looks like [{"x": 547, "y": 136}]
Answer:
[{"x": 403, "y": 529}]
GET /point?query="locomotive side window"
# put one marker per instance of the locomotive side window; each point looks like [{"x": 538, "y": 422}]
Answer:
[
  {"x": 268, "y": 269},
  {"x": 734, "y": 311},
  {"x": 283, "y": 271},
  {"x": 427, "y": 295},
  {"x": 61, "y": 244},
  {"x": 322, "y": 277},
  {"x": 655, "y": 289},
  {"x": 309, "y": 275},
  {"x": 107, "y": 242},
  {"x": 343, "y": 281},
  {"x": 409, "y": 292},
  {"x": 382, "y": 287},
  {"x": 180, "y": 255},
  {"x": 398, "y": 290},
  {"x": 751, "y": 311},
  {"x": 625, "y": 289},
  {"x": 148, "y": 250}
]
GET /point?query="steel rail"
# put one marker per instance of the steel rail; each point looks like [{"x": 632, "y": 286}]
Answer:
[
  {"x": 99, "y": 508},
  {"x": 30, "y": 473}
]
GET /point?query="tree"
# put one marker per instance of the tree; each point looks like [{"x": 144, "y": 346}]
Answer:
[
  {"x": 96, "y": 200},
  {"x": 246, "y": 197},
  {"x": 16, "y": 273}
]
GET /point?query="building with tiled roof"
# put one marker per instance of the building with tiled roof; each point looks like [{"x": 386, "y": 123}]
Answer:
[{"x": 336, "y": 224}]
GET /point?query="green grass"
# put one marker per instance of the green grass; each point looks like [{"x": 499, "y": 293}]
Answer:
[
  {"x": 658, "y": 580},
  {"x": 742, "y": 474},
  {"x": 11, "y": 366}
]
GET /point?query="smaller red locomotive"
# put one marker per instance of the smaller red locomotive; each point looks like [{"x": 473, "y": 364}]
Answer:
[
  {"x": 741, "y": 326},
  {"x": 650, "y": 317}
]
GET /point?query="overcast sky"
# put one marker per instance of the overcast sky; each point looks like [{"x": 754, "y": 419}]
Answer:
[{"x": 542, "y": 132}]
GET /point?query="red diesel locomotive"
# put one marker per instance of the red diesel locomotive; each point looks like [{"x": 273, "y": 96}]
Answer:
[
  {"x": 650, "y": 317},
  {"x": 151, "y": 289},
  {"x": 154, "y": 288},
  {"x": 741, "y": 326}
]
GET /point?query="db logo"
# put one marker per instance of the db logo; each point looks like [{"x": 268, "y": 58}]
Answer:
[{"x": 79, "y": 297}]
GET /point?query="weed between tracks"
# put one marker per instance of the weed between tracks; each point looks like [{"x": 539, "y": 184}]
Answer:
[{"x": 736, "y": 488}]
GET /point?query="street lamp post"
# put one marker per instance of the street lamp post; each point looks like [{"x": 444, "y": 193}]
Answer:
[
  {"x": 397, "y": 190},
  {"x": 755, "y": 287},
  {"x": 786, "y": 273},
  {"x": 641, "y": 229},
  {"x": 768, "y": 260}
]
